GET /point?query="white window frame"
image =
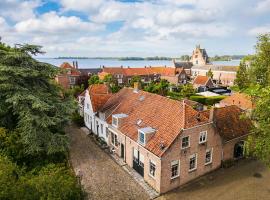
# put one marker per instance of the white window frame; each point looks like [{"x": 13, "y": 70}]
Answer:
[
  {"x": 88, "y": 106},
  {"x": 155, "y": 167},
  {"x": 173, "y": 163},
  {"x": 188, "y": 142},
  {"x": 211, "y": 158},
  {"x": 101, "y": 128},
  {"x": 115, "y": 125},
  {"x": 115, "y": 139},
  {"x": 139, "y": 137},
  {"x": 201, "y": 136},
  {"x": 190, "y": 157}
]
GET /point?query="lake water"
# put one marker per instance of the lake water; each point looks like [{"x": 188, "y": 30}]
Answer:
[{"x": 97, "y": 63}]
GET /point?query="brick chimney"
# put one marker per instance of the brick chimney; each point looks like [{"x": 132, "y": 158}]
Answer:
[
  {"x": 137, "y": 87},
  {"x": 211, "y": 114}
]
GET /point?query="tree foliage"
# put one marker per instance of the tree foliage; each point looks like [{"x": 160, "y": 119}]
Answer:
[
  {"x": 242, "y": 77},
  {"x": 30, "y": 101},
  {"x": 94, "y": 79},
  {"x": 259, "y": 89},
  {"x": 210, "y": 74}
]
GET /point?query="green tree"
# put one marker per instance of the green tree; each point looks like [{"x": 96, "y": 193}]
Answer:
[
  {"x": 94, "y": 79},
  {"x": 185, "y": 58},
  {"x": 258, "y": 143},
  {"x": 210, "y": 73},
  {"x": 187, "y": 90},
  {"x": 135, "y": 79},
  {"x": 108, "y": 78},
  {"x": 31, "y": 102},
  {"x": 260, "y": 66},
  {"x": 242, "y": 77}
]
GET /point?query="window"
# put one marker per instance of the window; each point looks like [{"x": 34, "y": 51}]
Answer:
[
  {"x": 185, "y": 142},
  {"x": 141, "y": 137},
  {"x": 101, "y": 128},
  {"x": 87, "y": 105},
  {"x": 72, "y": 80},
  {"x": 208, "y": 156},
  {"x": 114, "y": 139},
  {"x": 152, "y": 168},
  {"x": 175, "y": 169},
  {"x": 114, "y": 121},
  {"x": 203, "y": 137},
  {"x": 107, "y": 132},
  {"x": 193, "y": 162}
]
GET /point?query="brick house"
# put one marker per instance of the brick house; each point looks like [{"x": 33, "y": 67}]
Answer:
[
  {"x": 166, "y": 141},
  {"x": 123, "y": 75},
  {"x": 199, "y": 56},
  {"x": 241, "y": 100},
  {"x": 69, "y": 75},
  {"x": 202, "y": 83}
]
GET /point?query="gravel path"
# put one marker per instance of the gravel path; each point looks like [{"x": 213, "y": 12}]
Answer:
[{"x": 102, "y": 178}]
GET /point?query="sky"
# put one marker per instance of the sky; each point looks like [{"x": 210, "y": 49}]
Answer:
[{"x": 96, "y": 28}]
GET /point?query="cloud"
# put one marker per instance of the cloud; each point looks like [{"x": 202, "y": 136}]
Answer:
[
  {"x": 263, "y": 6},
  {"x": 51, "y": 23},
  {"x": 260, "y": 30},
  {"x": 82, "y": 5},
  {"x": 17, "y": 9}
]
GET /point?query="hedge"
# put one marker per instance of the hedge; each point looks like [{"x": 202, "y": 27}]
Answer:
[{"x": 207, "y": 100}]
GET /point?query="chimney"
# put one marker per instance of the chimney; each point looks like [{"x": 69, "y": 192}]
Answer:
[
  {"x": 122, "y": 66},
  {"x": 211, "y": 114},
  {"x": 137, "y": 87},
  {"x": 73, "y": 64},
  {"x": 76, "y": 64}
]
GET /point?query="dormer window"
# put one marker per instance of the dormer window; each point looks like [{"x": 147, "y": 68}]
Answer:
[
  {"x": 145, "y": 134},
  {"x": 116, "y": 119},
  {"x": 141, "y": 138}
]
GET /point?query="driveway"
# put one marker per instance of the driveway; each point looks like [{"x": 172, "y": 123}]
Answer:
[
  {"x": 102, "y": 178},
  {"x": 247, "y": 180}
]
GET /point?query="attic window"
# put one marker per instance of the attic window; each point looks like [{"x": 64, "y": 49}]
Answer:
[
  {"x": 139, "y": 121},
  {"x": 116, "y": 119},
  {"x": 144, "y": 135},
  {"x": 141, "y": 137},
  {"x": 141, "y": 98}
]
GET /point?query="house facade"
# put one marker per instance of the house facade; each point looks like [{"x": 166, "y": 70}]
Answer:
[
  {"x": 166, "y": 141},
  {"x": 69, "y": 75},
  {"x": 123, "y": 75},
  {"x": 199, "y": 56},
  {"x": 202, "y": 83}
]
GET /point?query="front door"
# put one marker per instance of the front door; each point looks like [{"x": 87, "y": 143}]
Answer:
[
  {"x": 138, "y": 162},
  {"x": 122, "y": 150},
  {"x": 239, "y": 150}
]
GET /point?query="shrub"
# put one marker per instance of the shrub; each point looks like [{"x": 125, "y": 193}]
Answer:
[
  {"x": 207, "y": 100},
  {"x": 78, "y": 119}
]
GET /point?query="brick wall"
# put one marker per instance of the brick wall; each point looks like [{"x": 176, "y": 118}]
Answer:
[{"x": 175, "y": 153}]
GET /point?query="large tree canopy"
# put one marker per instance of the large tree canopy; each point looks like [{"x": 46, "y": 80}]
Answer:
[
  {"x": 259, "y": 89},
  {"x": 30, "y": 101}
]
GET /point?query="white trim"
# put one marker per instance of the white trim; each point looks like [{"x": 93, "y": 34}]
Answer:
[
  {"x": 178, "y": 172},
  {"x": 191, "y": 156},
  {"x": 201, "y": 134},
  {"x": 188, "y": 142},
  {"x": 211, "y": 158},
  {"x": 139, "y": 137}
]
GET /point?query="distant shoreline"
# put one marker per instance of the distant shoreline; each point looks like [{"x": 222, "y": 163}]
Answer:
[{"x": 116, "y": 58}]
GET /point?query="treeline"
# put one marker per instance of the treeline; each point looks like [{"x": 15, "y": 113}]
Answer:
[
  {"x": 226, "y": 57},
  {"x": 33, "y": 114}
]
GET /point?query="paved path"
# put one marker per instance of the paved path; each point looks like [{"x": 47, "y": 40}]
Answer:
[
  {"x": 248, "y": 180},
  {"x": 102, "y": 178}
]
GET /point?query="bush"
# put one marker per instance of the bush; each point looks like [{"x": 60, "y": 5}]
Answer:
[
  {"x": 78, "y": 119},
  {"x": 207, "y": 100}
]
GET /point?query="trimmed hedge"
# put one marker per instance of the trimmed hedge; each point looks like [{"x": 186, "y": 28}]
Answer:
[{"x": 207, "y": 100}]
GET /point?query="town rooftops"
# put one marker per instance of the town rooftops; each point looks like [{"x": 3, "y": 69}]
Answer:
[
  {"x": 72, "y": 70},
  {"x": 201, "y": 80},
  {"x": 166, "y": 116},
  {"x": 241, "y": 100},
  {"x": 168, "y": 71},
  {"x": 230, "y": 123},
  {"x": 232, "y": 69},
  {"x": 99, "y": 95}
]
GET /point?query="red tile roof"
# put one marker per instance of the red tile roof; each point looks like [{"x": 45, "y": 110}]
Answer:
[
  {"x": 229, "y": 122},
  {"x": 99, "y": 95},
  {"x": 201, "y": 80},
  {"x": 168, "y": 117},
  {"x": 73, "y": 70},
  {"x": 169, "y": 71},
  {"x": 241, "y": 100}
]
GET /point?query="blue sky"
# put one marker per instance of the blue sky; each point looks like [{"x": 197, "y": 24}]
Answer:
[{"x": 135, "y": 27}]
